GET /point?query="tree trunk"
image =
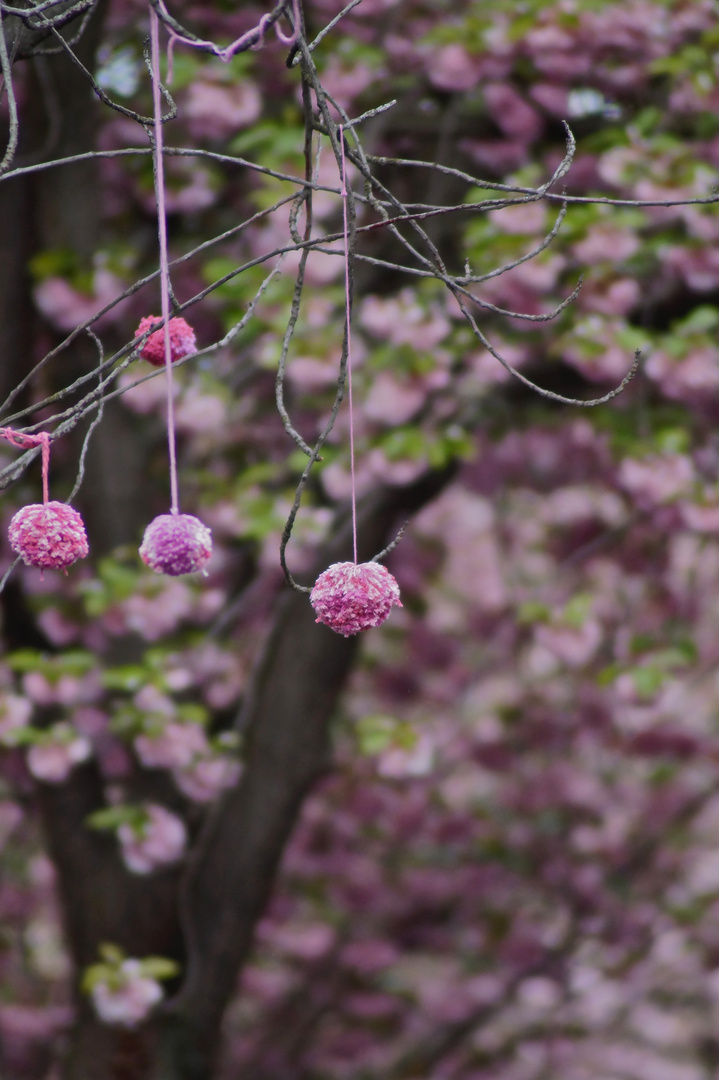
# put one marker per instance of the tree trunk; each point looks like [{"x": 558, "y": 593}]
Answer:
[{"x": 297, "y": 686}]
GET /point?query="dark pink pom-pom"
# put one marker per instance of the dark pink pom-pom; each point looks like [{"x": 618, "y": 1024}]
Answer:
[
  {"x": 176, "y": 544},
  {"x": 49, "y": 535},
  {"x": 182, "y": 340},
  {"x": 349, "y": 597}
]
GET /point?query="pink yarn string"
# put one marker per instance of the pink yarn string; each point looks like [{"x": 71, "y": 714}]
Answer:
[
  {"x": 27, "y": 442},
  {"x": 45, "y": 443},
  {"x": 162, "y": 238},
  {"x": 225, "y": 54},
  {"x": 348, "y": 319}
]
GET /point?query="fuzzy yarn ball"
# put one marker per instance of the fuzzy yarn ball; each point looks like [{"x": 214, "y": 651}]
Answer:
[
  {"x": 49, "y": 535},
  {"x": 176, "y": 544},
  {"x": 349, "y": 597},
  {"x": 182, "y": 340}
]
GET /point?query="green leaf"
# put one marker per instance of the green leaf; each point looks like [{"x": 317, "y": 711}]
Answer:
[
  {"x": 111, "y": 817},
  {"x": 159, "y": 967},
  {"x": 532, "y": 612},
  {"x": 95, "y": 975},
  {"x": 21, "y": 736},
  {"x": 75, "y": 662},
  {"x": 608, "y": 674},
  {"x": 404, "y": 442},
  {"x": 577, "y": 611},
  {"x": 648, "y": 680},
  {"x": 272, "y": 139},
  {"x": 670, "y": 658},
  {"x": 192, "y": 713},
  {"x": 111, "y": 954},
  {"x": 26, "y": 660},
  {"x": 702, "y": 318},
  {"x": 380, "y": 732},
  {"x": 62, "y": 263},
  {"x": 673, "y": 440},
  {"x": 129, "y": 678}
]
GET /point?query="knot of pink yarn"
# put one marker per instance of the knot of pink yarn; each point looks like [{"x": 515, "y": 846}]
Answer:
[
  {"x": 349, "y": 597},
  {"x": 176, "y": 544},
  {"x": 49, "y": 535},
  {"x": 182, "y": 340}
]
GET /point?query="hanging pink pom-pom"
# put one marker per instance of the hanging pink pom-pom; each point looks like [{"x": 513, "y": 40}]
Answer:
[
  {"x": 176, "y": 544},
  {"x": 349, "y": 597},
  {"x": 182, "y": 340},
  {"x": 49, "y": 535}
]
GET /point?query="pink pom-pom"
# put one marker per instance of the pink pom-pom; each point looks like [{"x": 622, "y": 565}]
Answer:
[
  {"x": 182, "y": 340},
  {"x": 176, "y": 544},
  {"x": 49, "y": 535},
  {"x": 349, "y": 597}
]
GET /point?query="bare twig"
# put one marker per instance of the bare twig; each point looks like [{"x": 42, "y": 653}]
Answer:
[{"x": 6, "y": 67}]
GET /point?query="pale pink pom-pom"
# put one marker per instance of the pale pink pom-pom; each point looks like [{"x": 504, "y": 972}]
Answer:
[
  {"x": 176, "y": 544},
  {"x": 182, "y": 340},
  {"x": 49, "y": 535},
  {"x": 349, "y": 597}
]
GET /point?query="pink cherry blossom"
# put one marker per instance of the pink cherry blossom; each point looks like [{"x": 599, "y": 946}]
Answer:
[
  {"x": 65, "y": 307},
  {"x": 515, "y": 116},
  {"x": 53, "y": 760},
  {"x": 657, "y": 479},
  {"x": 192, "y": 188},
  {"x": 572, "y": 645},
  {"x": 689, "y": 379},
  {"x": 419, "y": 760},
  {"x": 368, "y": 956},
  {"x": 346, "y": 82},
  {"x": 701, "y": 517},
  {"x": 159, "y": 841},
  {"x": 307, "y": 941},
  {"x": 393, "y": 401},
  {"x": 552, "y": 97},
  {"x": 38, "y": 688},
  {"x": 59, "y": 629},
  {"x": 616, "y": 297},
  {"x": 199, "y": 414},
  {"x": 452, "y": 68},
  {"x": 217, "y": 110},
  {"x": 403, "y": 321},
  {"x": 129, "y": 1002},
  {"x": 399, "y": 471},
  {"x": 15, "y": 713},
  {"x": 152, "y": 700},
  {"x": 10, "y": 817},
  {"x": 606, "y": 242},
  {"x": 311, "y": 374},
  {"x": 523, "y": 220},
  {"x": 147, "y": 397},
  {"x": 207, "y": 777},
  {"x": 175, "y": 747},
  {"x": 158, "y": 613}
]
